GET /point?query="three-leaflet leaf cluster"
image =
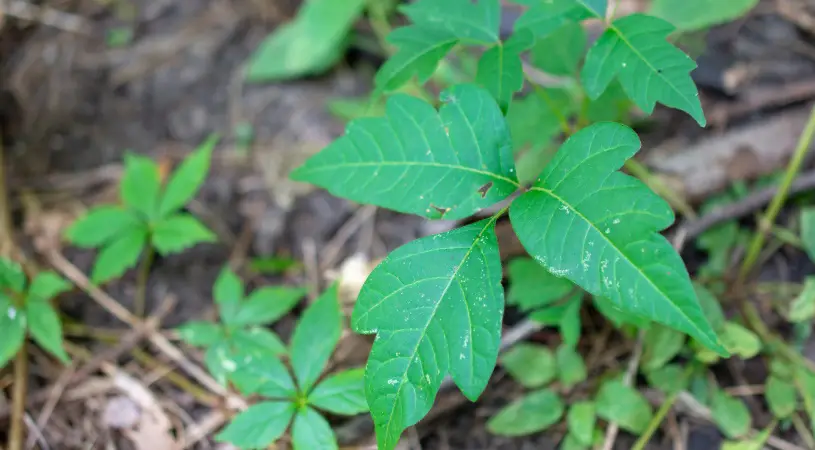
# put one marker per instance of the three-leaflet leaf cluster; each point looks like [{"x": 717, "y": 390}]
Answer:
[{"x": 436, "y": 304}]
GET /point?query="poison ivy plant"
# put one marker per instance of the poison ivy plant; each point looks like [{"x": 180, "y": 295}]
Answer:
[
  {"x": 295, "y": 403},
  {"x": 436, "y": 304},
  {"x": 241, "y": 332},
  {"x": 26, "y": 310},
  {"x": 150, "y": 214}
]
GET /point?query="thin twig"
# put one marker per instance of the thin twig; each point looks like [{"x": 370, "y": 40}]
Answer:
[
  {"x": 756, "y": 200},
  {"x": 16, "y": 434},
  {"x": 157, "y": 339},
  {"x": 614, "y": 428},
  {"x": 139, "y": 303},
  {"x": 46, "y": 15}
]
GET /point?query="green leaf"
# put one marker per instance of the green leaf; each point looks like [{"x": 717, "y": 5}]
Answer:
[
  {"x": 531, "y": 286},
  {"x": 179, "y": 232},
  {"x": 259, "y": 426},
  {"x": 309, "y": 45},
  {"x": 754, "y": 443},
  {"x": 692, "y": 15},
  {"x": 781, "y": 396},
  {"x": 436, "y": 305},
  {"x": 619, "y": 318},
  {"x": 341, "y": 393},
  {"x": 201, "y": 334},
  {"x": 187, "y": 179},
  {"x": 258, "y": 341},
  {"x": 101, "y": 225},
  {"x": 570, "y": 442},
  {"x": 805, "y": 382},
  {"x": 560, "y": 52},
  {"x": 669, "y": 379},
  {"x": 12, "y": 330},
  {"x": 500, "y": 70},
  {"x": 220, "y": 361},
  {"x": 711, "y": 307},
  {"x": 267, "y": 305},
  {"x": 585, "y": 221},
  {"x": 718, "y": 242},
  {"x": 119, "y": 255},
  {"x": 46, "y": 329},
  {"x": 437, "y": 27},
  {"x": 803, "y": 307},
  {"x": 315, "y": 337},
  {"x": 312, "y": 432},
  {"x": 421, "y": 162},
  {"x": 420, "y": 51},
  {"x": 532, "y": 413},
  {"x": 619, "y": 403},
  {"x": 544, "y": 18},
  {"x": 228, "y": 294},
  {"x": 740, "y": 341},
  {"x": 571, "y": 366},
  {"x": 581, "y": 421},
  {"x": 808, "y": 231},
  {"x": 266, "y": 376},
  {"x": 476, "y": 21},
  {"x": 11, "y": 276},
  {"x": 730, "y": 415},
  {"x": 634, "y": 50},
  {"x": 534, "y": 120},
  {"x": 532, "y": 365},
  {"x": 140, "y": 185},
  {"x": 45, "y": 286},
  {"x": 274, "y": 265},
  {"x": 661, "y": 345},
  {"x": 612, "y": 105}
]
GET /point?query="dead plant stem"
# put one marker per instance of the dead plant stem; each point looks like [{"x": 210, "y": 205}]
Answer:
[{"x": 16, "y": 437}]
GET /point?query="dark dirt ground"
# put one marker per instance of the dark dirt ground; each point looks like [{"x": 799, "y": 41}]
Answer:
[{"x": 71, "y": 106}]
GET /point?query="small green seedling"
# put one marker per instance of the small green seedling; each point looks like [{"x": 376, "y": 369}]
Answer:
[
  {"x": 286, "y": 400},
  {"x": 150, "y": 215},
  {"x": 25, "y": 308},
  {"x": 241, "y": 330}
]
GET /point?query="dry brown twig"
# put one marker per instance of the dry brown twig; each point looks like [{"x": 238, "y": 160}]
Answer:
[
  {"x": 71, "y": 272},
  {"x": 45, "y": 15}
]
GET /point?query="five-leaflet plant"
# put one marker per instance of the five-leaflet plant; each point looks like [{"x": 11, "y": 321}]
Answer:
[
  {"x": 26, "y": 309},
  {"x": 241, "y": 330},
  {"x": 436, "y": 304},
  {"x": 150, "y": 214},
  {"x": 249, "y": 358}
]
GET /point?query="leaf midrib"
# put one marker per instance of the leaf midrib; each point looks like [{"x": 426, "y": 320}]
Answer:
[
  {"x": 624, "y": 255},
  {"x": 414, "y": 163},
  {"x": 453, "y": 276}
]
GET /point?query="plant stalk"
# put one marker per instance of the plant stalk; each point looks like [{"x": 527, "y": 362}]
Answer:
[
  {"x": 768, "y": 220},
  {"x": 655, "y": 422},
  {"x": 139, "y": 307},
  {"x": 16, "y": 437}
]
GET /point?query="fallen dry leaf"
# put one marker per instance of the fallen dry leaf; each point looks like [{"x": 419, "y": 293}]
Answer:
[{"x": 139, "y": 416}]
